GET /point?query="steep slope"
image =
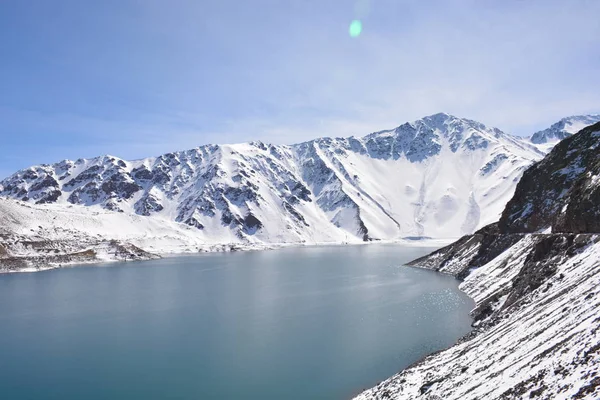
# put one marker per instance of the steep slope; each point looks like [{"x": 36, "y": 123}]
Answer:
[
  {"x": 440, "y": 176},
  {"x": 547, "y": 138},
  {"x": 537, "y": 324}
]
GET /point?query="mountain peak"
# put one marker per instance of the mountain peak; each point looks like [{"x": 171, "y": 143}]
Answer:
[
  {"x": 564, "y": 128},
  {"x": 440, "y": 116}
]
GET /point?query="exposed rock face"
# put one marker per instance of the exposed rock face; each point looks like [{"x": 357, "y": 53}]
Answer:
[
  {"x": 537, "y": 329},
  {"x": 561, "y": 192},
  {"x": 440, "y": 176}
]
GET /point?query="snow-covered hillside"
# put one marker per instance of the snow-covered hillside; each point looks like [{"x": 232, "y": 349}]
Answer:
[
  {"x": 542, "y": 343},
  {"x": 440, "y": 176},
  {"x": 35, "y": 237},
  {"x": 535, "y": 277}
]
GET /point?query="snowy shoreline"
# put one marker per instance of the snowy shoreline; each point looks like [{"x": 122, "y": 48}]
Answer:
[{"x": 523, "y": 343}]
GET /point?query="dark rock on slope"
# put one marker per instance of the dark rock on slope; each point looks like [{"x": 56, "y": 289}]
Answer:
[
  {"x": 469, "y": 252},
  {"x": 561, "y": 192}
]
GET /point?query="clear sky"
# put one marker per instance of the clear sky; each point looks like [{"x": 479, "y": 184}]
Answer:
[{"x": 136, "y": 78}]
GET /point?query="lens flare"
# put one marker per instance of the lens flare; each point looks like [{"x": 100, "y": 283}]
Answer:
[{"x": 355, "y": 28}]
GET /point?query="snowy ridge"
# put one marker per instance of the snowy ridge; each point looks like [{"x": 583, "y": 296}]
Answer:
[
  {"x": 440, "y": 176},
  {"x": 547, "y": 138}
]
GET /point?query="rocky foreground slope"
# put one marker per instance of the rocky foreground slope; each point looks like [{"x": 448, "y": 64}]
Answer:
[{"x": 535, "y": 277}]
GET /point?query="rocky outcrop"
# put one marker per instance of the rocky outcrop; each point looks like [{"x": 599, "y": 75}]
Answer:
[
  {"x": 471, "y": 251},
  {"x": 561, "y": 192}
]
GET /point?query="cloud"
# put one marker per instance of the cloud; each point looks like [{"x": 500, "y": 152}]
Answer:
[
  {"x": 507, "y": 66},
  {"x": 516, "y": 65}
]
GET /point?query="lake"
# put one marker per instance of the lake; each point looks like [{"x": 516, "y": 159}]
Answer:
[{"x": 296, "y": 323}]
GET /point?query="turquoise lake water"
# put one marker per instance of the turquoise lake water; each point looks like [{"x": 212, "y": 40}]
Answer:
[{"x": 297, "y": 323}]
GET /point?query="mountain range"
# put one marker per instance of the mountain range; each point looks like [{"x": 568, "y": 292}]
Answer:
[{"x": 440, "y": 176}]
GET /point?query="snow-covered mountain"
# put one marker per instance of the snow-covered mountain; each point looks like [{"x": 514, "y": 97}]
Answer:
[
  {"x": 43, "y": 236},
  {"x": 535, "y": 277},
  {"x": 440, "y": 176},
  {"x": 34, "y": 238},
  {"x": 547, "y": 138}
]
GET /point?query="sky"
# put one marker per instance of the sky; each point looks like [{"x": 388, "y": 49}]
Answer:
[{"x": 137, "y": 78}]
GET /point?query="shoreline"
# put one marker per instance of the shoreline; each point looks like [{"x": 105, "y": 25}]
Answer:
[
  {"x": 474, "y": 331},
  {"x": 151, "y": 253}
]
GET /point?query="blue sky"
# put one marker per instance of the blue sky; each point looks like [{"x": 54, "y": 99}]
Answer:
[{"x": 136, "y": 78}]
